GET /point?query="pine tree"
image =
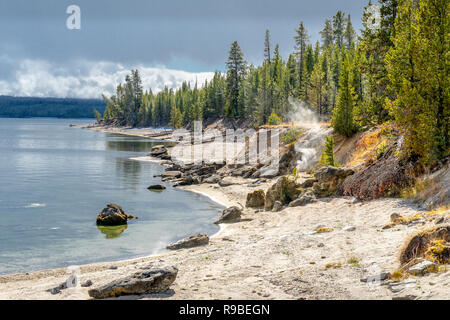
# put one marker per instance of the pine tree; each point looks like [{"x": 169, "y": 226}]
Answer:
[
  {"x": 342, "y": 120},
  {"x": 418, "y": 73},
  {"x": 236, "y": 69},
  {"x": 349, "y": 34},
  {"x": 301, "y": 39},
  {"x": 338, "y": 28},
  {"x": 327, "y": 34},
  {"x": 318, "y": 87},
  {"x": 327, "y": 157}
]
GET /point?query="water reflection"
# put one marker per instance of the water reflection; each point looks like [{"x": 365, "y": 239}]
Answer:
[
  {"x": 112, "y": 232},
  {"x": 121, "y": 143}
]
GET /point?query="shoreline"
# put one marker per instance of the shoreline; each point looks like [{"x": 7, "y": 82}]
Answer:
[{"x": 269, "y": 255}]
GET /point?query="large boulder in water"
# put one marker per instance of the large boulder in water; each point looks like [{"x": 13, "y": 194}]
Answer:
[
  {"x": 113, "y": 215},
  {"x": 148, "y": 281}
]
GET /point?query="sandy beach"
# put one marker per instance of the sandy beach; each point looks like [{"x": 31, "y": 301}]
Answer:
[{"x": 270, "y": 255}]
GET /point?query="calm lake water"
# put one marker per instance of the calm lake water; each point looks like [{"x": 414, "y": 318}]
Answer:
[{"x": 54, "y": 180}]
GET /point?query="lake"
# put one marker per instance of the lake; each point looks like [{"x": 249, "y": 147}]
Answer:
[{"x": 55, "y": 179}]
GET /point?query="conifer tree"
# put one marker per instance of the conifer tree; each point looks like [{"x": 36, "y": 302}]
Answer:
[
  {"x": 236, "y": 69},
  {"x": 342, "y": 120},
  {"x": 327, "y": 34}
]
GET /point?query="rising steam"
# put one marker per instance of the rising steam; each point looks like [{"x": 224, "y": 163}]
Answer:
[{"x": 311, "y": 145}]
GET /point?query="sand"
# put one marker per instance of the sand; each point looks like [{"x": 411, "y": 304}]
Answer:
[{"x": 270, "y": 256}]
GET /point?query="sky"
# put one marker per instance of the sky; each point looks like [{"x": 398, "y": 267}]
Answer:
[{"x": 169, "y": 41}]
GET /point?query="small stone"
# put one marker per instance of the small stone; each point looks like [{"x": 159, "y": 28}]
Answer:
[
  {"x": 379, "y": 277},
  {"x": 191, "y": 242},
  {"x": 439, "y": 220},
  {"x": 320, "y": 245},
  {"x": 86, "y": 284},
  {"x": 277, "y": 207},
  {"x": 113, "y": 267},
  {"x": 421, "y": 267},
  {"x": 395, "y": 217},
  {"x": 349, "y": 228}
]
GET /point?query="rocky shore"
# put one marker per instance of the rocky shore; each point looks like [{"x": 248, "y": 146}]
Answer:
[{"x": 283, "y": 236}]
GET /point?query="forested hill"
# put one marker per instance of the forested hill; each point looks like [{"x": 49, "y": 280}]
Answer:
[{"x": 22, "y": 107}]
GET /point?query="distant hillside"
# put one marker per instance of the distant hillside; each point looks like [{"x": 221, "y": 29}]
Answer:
[{"x": 23, "y": 107}]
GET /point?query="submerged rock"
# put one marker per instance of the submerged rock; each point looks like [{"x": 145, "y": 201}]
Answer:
[
  {"x": 191, "y": 242},
  {"x": 230, "y": 215},
  {"x": 113, "y": 215},
  {"x": 256, "y": 199},
  {"x": 158, "y": 151},
  {"x": 147, "y": 281},
  {"x": 157, "y": 187}
]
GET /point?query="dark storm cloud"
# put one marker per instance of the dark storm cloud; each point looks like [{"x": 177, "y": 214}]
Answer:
[{"x": 179, "y": 34}]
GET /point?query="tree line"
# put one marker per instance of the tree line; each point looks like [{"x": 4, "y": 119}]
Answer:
[{"x": 397, "y": 70}]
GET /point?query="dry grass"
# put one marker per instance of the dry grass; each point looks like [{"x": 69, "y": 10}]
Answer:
[
  {"x": 333, "y": 265},
  {"x": 426, "y": 242},
  {"x": 399, "y": 275}
]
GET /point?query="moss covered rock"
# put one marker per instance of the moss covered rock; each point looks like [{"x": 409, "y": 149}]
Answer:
[{"x": 256, "y": 199}]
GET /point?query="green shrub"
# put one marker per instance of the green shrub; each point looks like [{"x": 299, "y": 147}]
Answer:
[
  {"x": 291, "y": 135},
  {"x": 381, "y": 151},
  {"x": 327, "y": 158},
  {"x": 274, "y": 120}
]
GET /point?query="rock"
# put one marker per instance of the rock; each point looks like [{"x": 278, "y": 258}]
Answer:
[
  {"x": 270, "y": 171},
  {"x": 113, "y": 268},
  {"x": 148, "y": 281},
  {"x": 158, "y": 151},
  {"x": 230, "y": 215},
  {"x": 305, "y": 199},
  {"x": 157, "y": 187},
  {"x": 191, "y": 242},
  {"x": 212, "y": 180},
  {"x": 308, "y": 183},
  {"x": 422, "y": 267},
  {"x": 112, "y": 215},
  {"x": 385, "y": 177},
  {"x": 256, "y": 199},
  {"x": 227, "y": 181},
  {"x": 329, "y": 180},
  {"x": 320, "y": 245},
  {"x": 439, "y": 220},
  {"x": 285, "y": 190},
  {"x": 379, "y": 277},
  {"x": 188, "y": 181},
  {"x": 277, "y": 206},
  {"x": 171, "y": 175},
  {"x": 349, "y": 228},
  {"x": 395, "y": 217},
  {"x": 86, "y": 284}
]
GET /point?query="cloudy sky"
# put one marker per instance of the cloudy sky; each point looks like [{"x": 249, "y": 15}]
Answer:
[{"x": 169, "y": 41}]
